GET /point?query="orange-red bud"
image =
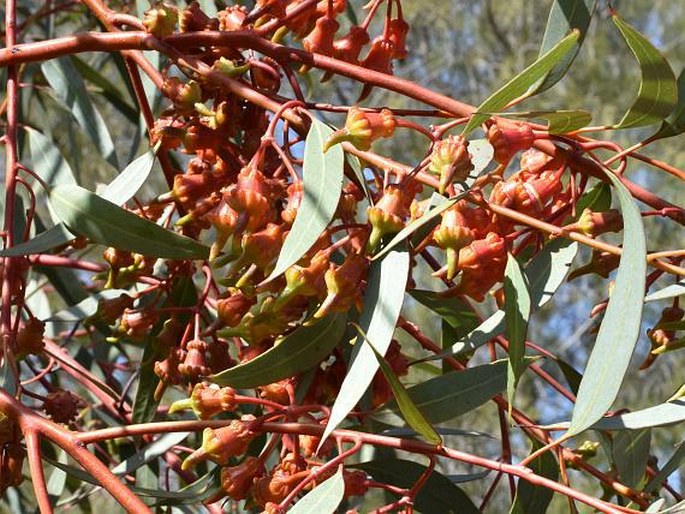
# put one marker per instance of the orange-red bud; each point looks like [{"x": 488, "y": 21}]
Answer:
[{"x": 507, "y": 138}]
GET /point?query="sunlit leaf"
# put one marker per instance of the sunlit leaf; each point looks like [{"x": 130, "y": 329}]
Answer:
[
  {"x": 150, "y": 452},
  {"x": 620, "y": 327},
  {"x": 657, "y": 95},
  {"x": 410, "y": 412},
  {"x": 629, "y": 452},
  {"x": 448, "y": 396},
  {"x": 535, "y": 499},
  {"x": 560, "y": 121},
  {"x": 383, "y": 300},
  {"x": 565, "y": 15},
  {"x": 322, "y": 177},
  {"x": 667, "y": 292},
  {"x": 324, "y": 498},
  {"x": 68, "y": 86},
  {"x": 299, "y": 351},
  {"x": 103, "y": 222},
  {"x": 438, "y": 494},
  {"x": 517, "y": 309},
  {"x": 521, "y": 82}
]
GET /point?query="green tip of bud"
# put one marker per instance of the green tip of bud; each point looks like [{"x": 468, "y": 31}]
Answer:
[
  {"x": 180, "y": 405},
  {"x": 337, "y": 137},
  {"x": 452, "y": 263}
]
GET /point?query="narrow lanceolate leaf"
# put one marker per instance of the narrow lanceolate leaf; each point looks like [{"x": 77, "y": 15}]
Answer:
[
  {"x": 620, "y": 327},
  {"x": 356, "y": 165},
  {"x": 152, "y": 451},
  {"x": 299, "y": 351},
  {"x": 448, "y": 396},
  {"x": 518, "y": 86},
  {"x": 629, "y": 453},
  {"x": 322, "y": 175},
  {"x": 657, "y": 95},
  {"x": 87, "y": 307},
  {"x": 119, "y": 191},
  {"x": 58, "y": 479},
  {"x": 544, "y": 273},
  {"x": 675, "y": 124},
  {"x": 128, "y": 182},
  {"x": 517, "y": 308},
  {"x": 438, "y": 494},
  {"x": 671, "y": 291},
  {"x": 671, "y": 466},
  {"x": 429, "y": 219},
  {"x": 410, "y": 412},
  {"x": 103, "y": 222},
  {"x": 534, "y": 499},
  {"x": 324, "y": 498},
  {"x": 383, "y": 300},
  {"x": 559, "y": 122},
  {"x": 565, "y": 15},
  {"x": 455, "y": 311},
  {"x": 68, "y": 86},
  {"x": 47, "y": 160}
]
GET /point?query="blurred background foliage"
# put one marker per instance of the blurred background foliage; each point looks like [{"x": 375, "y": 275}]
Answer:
[{"x": 466, "y": 50}]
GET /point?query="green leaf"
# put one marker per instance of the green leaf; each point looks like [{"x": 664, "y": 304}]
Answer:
[
  {"x": 322, "y": 175},
  {"x": 103, "y": 222},
  {"x": 119, "y": 191},
  {"x": 517, "y": 309},
  {"x": 660, "y": 415},
  {"x": 324, "y": 498},
  {"x": 382, "y": 304},
  {"x": 299, "y": 351},
  {"x": 560, "y": 121},
  {"x": 87, "y": 307},
  {"x": 521, "y": 82},
  {"x": 565, "y": 15},
  {"x": 545, "y": 273},
  {"x": 429, "y": 219},
  {"x": 657, "y": 95},
  {"x": 448, "y": 396},
  {"x": 68, "y": 86},
  {"x": 620, "y": 327},
  {"x": 482, "y": 153},
  {"x": 356, "y": 165},
  {"x": 671, "y": 466},
  {"x": 455, "y": 311},
  {"x": 597, "y": 199},
  {"x": 629, "y": 452},
  {"x": 130, "y": 180},
  {"x": 438, "y": 494},
  {"x": 572, "y": 377},
  {"x": 671, "y": 291},
  {"x": 57, "y": 480},
  {"x": 675, "y": 124},
  {"x": 410, "y": 412},
  {"x": 47, "y": 160},
  {"x": 535, "y": 499},
  {"x": 151, "y": 452}
]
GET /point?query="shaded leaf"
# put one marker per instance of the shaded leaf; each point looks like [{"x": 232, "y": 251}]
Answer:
[
  {"x": 299, "y": 351},
  {"x": 47, "y": 160},
  {"x": 356, "y": 165},
  {"x": 671, "y": 291},
  {"x": 534, "y": 499},
  {"x": 439, "y": 493},
  {"x": 58, "y": 479},
  {"x": 87, "y": 307},
  {"x": 572, "y": 377},
  {"x": 629, "y": 452},
  {"x": 322, "y": 175},
  {"x": 560, "y": 121},
  {"x": 103, "y": 222},
  {"x": 521, "y": 82},
  {"x": 56, "y": 235},
  {"x": 410, "y": 412},
  {"x": 675, "y": 124},
  {"x": 455, "y": 311},
  {"x": 517, "y": 309},
  {"x": 68, "y": 86},
  {"x": 620, "y": 327},
  {"x": 564, "y": 16},
  {"x": 151, "y": 452},
  {"x": 657, "y": 94},
  {"x": 429, "y": 218},
  {"x": 671, "y": 466},
  {"x": 448, "y": 396},
  {"x": 597, "y": 199},
  {"x": 382, "y": 304},
  {"x": 324, "y": 498}
]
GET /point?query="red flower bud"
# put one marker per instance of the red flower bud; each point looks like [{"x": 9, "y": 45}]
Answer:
[
  {"x": 342, "y": 283},
  {"x": 507, "y": 138},
  {"x": 223, "y": 443},
  {"x": 232, "y": 18},
  {"x": 231, "y": 309},
  {"x": 363, "y": 128},
  {"x": 482, "y": 264},
  {"x": 451, "y": 161},
  {"x": 237, "y": 481},
  {"x": 320, "y": 40},
  {"x": 602, "y": 264},
  {"x": 30, "y": 338},
  {"x": 194, "y": 365},
  {"x": 397, "y": 32},
  {"x": 207, "y": 401},
  {"x": 183, "y": 95},
  {"x": 350, "y": 46},
  {"x": 597, "y": 223}
]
